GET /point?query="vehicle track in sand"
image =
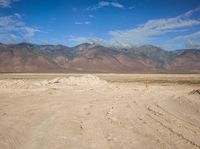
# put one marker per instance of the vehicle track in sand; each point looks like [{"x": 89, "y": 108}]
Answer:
[{"x": 90, "y": 113}]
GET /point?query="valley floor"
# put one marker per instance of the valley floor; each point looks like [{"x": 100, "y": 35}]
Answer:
[{"x": 85, "y": 112}]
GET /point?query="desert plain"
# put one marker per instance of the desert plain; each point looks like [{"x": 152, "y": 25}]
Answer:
[{"x": 99, "y": 111}]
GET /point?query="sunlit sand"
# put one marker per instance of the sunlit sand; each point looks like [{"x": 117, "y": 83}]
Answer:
[{"x": 51, "y": 111}]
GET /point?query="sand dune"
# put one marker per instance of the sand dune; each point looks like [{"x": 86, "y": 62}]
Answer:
[{"x": 86, "y": 112}]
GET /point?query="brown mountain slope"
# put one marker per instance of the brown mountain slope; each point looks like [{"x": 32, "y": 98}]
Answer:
[
  {"x": 25, "y": 60},
  {"x": 187, "y": 62},
  {"x": 101, "y": 59},
  {"x": 94, "y": 58}
]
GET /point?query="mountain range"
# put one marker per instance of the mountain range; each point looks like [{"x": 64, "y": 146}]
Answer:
[{"x": 92, "y": 58}]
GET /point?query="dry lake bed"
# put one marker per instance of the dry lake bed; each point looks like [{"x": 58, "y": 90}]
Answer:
[{"x": 99, "y": 111}]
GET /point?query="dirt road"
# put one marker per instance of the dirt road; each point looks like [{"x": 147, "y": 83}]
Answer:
[{"x": 89, "y": 113}]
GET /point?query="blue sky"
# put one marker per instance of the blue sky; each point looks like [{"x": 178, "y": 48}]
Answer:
[{"x": 170, "y": 24}]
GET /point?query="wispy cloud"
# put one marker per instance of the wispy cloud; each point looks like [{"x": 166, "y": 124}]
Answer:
[
  {"x": 12, "y": 27},
  {"x": 190, "y": 40},
  {"x": 195, "y": 35},
  {"x": 91, "y": 16},
  {"x": 19, "y": 16},
  {"x": 7, "y": 3},
  {"x": 103, "y": 4},
  {"x": 78, "y": 39},
  {"x": 83, "y": 23},
  {"x": 151, "y": 31},
  {"x": 189, "y": 13},
  {"x": 193, "y": 44},
  {"x": 116, "y": 5}
]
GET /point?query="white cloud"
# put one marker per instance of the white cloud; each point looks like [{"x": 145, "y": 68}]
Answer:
[
  {"x": 6, "y": 3},
  {"x": 150, "y": 31},
  {"x": 188, "y": 40},
  {"x": 12, "y": 27},
  {"x": 189, "y": 13},
  {"x": 18, "y": 15},
  {"x": 195, "y": 35},
  {"x": 116, "y": 5},
  {"x": 91, "y": 16},
  {"x": 29, "y": 32},
  {"x": 103, "y": 4},
  {"x": 82, "y": 23},
  {"x": 193, "y": 44},
  {"x": 78, "y": 39}
]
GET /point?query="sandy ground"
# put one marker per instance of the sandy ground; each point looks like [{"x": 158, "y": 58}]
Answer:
[{"x": 86, "y": 112}]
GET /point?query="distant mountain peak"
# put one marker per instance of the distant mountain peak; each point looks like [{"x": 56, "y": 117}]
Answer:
[
  {"x": 150, "y": 47},
  {"x": 25, "y": 44},
  {"x": 86, "y": 57},
  {"x": 82, "y": 46}
]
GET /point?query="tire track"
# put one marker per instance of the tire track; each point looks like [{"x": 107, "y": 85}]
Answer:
[{"x": 175, "y": 133}]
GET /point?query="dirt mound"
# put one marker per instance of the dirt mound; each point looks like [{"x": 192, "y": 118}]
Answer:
[
  {"x": 83, "y": 81},
  {"x": 86, "y": 80},
  {"x": 14, "y": 84},
  {"x": 185, "y": 106}
]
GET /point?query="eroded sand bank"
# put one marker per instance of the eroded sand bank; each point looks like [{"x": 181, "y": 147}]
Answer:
[{"x": 89, "y": 113}]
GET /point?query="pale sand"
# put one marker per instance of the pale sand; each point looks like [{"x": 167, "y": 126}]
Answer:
[{"x": 89, "y": 113}]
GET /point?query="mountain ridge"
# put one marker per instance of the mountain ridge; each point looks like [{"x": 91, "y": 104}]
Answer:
[{"x": 92, "y": 58}]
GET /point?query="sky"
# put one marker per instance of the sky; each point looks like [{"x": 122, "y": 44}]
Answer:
[{"x": 169, "y": 24}]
